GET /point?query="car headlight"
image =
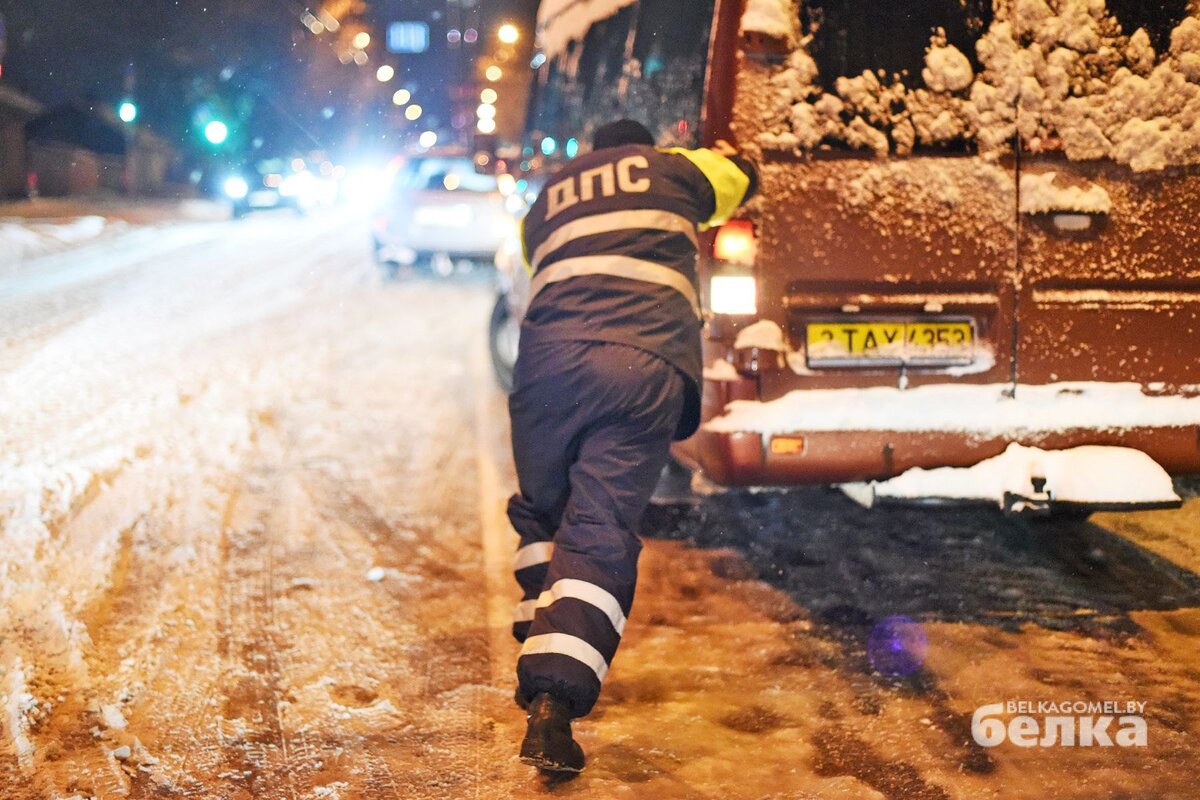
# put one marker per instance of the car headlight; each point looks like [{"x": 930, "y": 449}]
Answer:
[
  {"x": 292, "y": 185},
  {"x": 236, "y": 188},
  {"x": 733, "y": 294}
]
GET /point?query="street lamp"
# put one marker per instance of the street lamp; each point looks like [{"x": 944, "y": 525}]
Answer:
[
  {"x": 508, "y": 33},
  {"x": 385, "y": 73},
  {"x": 493, "y": 73},
  {"x": 361, "y": 40}
]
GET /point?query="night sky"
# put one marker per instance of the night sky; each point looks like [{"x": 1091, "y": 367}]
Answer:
[{"x": 252, "y": 63}]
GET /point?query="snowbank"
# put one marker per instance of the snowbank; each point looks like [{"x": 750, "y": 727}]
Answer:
[
  {"x": 21, "y": 239},
  {"x": 1088, "y": 475},
  {"x": 983, "y": 411}
]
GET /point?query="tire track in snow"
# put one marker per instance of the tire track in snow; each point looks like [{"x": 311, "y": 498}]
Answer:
[
  {"x": 255, "y": 747},
  {"x": 338, "y": 750}
]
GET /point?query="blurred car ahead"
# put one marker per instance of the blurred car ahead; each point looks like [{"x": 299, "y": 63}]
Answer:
[
  {"x": 277, "y": 183},
  {"x": 439, "y": 211}
]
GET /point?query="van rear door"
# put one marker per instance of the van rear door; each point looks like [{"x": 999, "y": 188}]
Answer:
[
  {"x": 889, "y": 219},
  {"x": 1109, "y": 210}
]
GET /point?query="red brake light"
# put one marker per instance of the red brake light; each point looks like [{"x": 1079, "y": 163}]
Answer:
[{"x": 735, "y": 242}]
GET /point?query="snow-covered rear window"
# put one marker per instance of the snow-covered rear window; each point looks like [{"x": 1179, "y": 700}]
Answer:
[
  {"x": 1157, "y": 17},
  {"x": 1117, "y": 81},
  {"x": 848, "y": 37}
]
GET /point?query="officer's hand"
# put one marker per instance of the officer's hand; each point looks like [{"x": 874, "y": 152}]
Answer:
[{"x": 724, "y": 148}]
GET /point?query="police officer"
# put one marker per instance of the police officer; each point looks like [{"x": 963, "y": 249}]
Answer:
[{"x": 608, "y": 373}]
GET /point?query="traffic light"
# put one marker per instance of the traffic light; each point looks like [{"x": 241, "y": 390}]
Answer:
[
  {"x": 127, "y": 111},
  {"x": 216, "y": 132}
]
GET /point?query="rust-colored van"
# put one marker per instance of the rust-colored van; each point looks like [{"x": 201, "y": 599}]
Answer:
[{"x": 976, "y": 242}]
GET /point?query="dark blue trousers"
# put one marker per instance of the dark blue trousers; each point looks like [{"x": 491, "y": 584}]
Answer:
[{"x": 591, "y": 428}]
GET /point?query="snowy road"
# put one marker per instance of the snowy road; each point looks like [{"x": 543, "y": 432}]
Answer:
[{"x": 252, "y": 546}]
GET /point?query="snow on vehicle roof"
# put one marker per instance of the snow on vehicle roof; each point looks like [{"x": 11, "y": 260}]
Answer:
[
  {"x": 1061, "y": 74},
  {"x": 561, "y": 21}
]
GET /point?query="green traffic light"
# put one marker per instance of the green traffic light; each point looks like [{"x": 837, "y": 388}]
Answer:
[
  {"x": 127, "y": 111},
  {"x": 216, "y": 132}
]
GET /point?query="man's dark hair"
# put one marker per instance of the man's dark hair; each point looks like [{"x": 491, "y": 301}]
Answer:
[{"x": 621, "y": 132}]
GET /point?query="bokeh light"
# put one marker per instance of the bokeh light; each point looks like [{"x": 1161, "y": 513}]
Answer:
[
  {"x": 216, "y": 132},
  {"x": 897, "y": 646},
  {"x": 508, "y": 33}
]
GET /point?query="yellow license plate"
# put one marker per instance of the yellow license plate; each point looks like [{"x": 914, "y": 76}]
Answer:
[{"x": 926, "y": 343}]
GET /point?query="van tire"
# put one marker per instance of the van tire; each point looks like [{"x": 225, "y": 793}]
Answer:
[{"x": 503, "y": 355}]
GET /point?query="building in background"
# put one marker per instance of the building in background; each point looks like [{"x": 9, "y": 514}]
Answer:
[
  {"x": 79, "y": 149},
  {"x": 16, "y": 110}
]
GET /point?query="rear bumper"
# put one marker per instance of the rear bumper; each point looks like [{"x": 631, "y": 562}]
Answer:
[{"x": 746, "y": 458}]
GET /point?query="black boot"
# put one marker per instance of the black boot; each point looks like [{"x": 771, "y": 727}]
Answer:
[
  {"x": 520, "y": 699},
  {"x": 548, "y": 743}
]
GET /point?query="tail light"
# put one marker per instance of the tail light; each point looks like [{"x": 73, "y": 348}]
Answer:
[
  {"x": 732, "y": 287},
  {"x": 735, "y": 242}
]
